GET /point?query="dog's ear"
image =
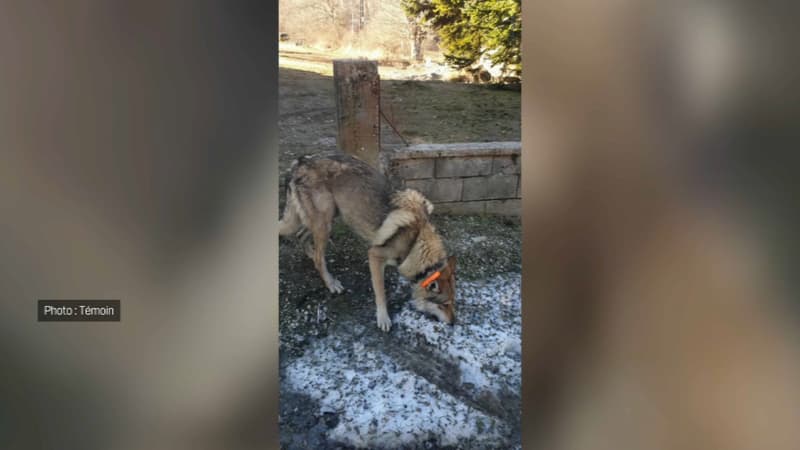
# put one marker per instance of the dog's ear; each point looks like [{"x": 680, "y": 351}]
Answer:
[{"x": 451, "y": 262}]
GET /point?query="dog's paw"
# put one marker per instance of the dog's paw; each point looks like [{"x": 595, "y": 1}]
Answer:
[
  {"x": 335, "y": 286},
  {"x": 384, "y": 322}
]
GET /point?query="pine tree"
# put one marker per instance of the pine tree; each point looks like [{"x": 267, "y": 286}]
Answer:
[{"x": 470, "y": 29}]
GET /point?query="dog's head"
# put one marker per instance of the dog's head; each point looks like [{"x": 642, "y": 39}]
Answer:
[{"x": 436, "y": 295}]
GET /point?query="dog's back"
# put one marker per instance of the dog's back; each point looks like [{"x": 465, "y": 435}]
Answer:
[{"x": 360, "y": 194}]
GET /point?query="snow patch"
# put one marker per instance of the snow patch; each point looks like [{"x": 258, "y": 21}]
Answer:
[
  {"x": 486, "y": 337},
  {"x": 383, "y": 403}
]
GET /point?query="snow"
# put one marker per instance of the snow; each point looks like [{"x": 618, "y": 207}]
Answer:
[{"x": 384, "y": 401}]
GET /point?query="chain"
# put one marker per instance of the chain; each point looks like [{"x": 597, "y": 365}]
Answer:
[{"x": 380, "y": 108}]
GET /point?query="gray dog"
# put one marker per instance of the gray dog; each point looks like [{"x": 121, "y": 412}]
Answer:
[{"x": 395, "y": 223}]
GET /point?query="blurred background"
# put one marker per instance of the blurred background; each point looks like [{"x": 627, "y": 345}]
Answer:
[
  {"x": 139, "y": 157},
  {"x": 660, "y": 290},
  {"x": 413, "y": 39}
]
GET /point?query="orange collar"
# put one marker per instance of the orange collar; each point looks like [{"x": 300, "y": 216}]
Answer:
[
  {"x": 431, "y": 279},
  {"x": 434, "y": 270}
]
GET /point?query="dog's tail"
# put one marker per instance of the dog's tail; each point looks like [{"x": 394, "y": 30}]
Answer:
[
  {"x": 290, "y": 174},
  {"x": 412, "y": 200},
  {"x": 410, "y": 205},
  {"x": 293, "y": 220}
]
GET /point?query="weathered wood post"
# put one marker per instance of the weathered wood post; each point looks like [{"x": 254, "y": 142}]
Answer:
[{"x": 358, "y": 99}]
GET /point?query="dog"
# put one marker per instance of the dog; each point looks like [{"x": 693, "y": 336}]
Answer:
[{"x": 396, "y": 223}]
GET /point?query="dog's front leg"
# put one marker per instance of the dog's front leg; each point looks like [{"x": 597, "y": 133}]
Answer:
[{"x": 377, "y": 263}]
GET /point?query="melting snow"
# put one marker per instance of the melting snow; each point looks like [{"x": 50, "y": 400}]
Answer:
[{"x": 382, "y": 402}]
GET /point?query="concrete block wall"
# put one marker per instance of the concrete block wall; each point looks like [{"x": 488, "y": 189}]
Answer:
[{"x": 463, "y": 178}]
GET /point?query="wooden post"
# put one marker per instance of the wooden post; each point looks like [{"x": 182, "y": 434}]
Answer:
[{"x": 358, "y": 95}]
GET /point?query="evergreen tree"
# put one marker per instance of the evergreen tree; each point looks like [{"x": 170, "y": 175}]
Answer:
[{"x": 470, "y": 29}]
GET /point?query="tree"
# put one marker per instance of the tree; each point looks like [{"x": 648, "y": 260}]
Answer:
[
  {"x": 417, "y": 32},
  {"x": 472, "y": 29}
]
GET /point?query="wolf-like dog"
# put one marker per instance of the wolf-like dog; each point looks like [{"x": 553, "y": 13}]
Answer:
[{"x": 395, "y": 223}]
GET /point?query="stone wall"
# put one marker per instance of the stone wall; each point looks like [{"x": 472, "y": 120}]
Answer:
[{"x": 464, "y": 178}]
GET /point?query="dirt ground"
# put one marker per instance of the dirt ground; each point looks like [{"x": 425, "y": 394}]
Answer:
[{"x": 315, "y": 322}]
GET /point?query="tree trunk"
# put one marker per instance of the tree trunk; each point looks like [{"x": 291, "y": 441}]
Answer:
[{"x": 417, "y": 38}]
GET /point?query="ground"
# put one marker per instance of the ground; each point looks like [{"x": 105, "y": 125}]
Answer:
[{"x": 346, "y": 384}]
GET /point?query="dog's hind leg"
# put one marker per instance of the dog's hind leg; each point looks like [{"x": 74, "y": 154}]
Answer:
[
  {"x": 331, "y": 282},
  {"x": 319, "y": 222},
  {"x": 306, "y": 241},
  {"x": 290, "y": 222}
]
